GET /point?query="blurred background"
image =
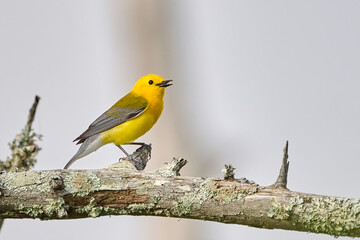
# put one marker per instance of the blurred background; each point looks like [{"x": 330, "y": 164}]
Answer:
[{"x": 248, "y": 75}]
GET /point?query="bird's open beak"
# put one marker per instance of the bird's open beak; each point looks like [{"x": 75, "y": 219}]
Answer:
[{"x": 164, "y": 83}]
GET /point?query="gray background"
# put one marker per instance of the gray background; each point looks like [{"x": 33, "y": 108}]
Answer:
[{"x": 248, "y": 76}]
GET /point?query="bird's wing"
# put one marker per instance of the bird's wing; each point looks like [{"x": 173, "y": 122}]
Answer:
[{"x": 121, "y": 112}]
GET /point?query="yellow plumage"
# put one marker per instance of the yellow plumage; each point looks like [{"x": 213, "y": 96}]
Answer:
[
  {"x": 131, "y": 130},
  {"x": 128, "y": 119}
]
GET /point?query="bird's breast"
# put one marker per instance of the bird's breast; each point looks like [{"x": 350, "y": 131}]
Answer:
[{"x": 130, "y": 130}]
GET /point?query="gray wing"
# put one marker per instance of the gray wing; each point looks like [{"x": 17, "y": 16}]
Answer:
[{"x": 109, "y": 119}]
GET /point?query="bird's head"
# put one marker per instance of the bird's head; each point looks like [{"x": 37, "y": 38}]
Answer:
[{"x": 151, "y": 86}]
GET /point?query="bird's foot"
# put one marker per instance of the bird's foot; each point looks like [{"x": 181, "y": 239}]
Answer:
[{"x": 140, "y": 157}]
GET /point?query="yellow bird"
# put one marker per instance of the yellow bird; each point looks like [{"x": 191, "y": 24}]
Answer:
[{"x": 128, "y": 119}]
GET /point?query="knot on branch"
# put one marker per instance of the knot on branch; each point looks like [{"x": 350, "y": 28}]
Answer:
[
  {"x": 229, "y": 175},
  {"x": 228, "y": 172},
  {"x": 172, "y": 169},
  {"x": 57, "y": 183}
]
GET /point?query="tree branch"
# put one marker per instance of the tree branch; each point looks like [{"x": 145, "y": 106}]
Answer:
[
  {"x": 122, "y": 190},
  {"x": 23, "y": 148}
]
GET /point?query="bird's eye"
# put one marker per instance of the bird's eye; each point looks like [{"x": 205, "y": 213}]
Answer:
[{"x": 151, "y": 82}]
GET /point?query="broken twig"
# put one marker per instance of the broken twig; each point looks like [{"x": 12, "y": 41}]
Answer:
[{"x": 281, "y": 181}]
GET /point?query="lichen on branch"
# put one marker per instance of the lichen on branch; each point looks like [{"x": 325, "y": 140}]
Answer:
[
  {"x": 24, "y": 148},
  {"x": 122, "y": 190}
]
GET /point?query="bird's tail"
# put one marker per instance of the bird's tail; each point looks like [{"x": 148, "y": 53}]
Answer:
[{"x": 90, "y": 145}]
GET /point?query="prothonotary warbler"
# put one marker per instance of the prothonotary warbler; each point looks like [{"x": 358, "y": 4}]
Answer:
[{"x": 128, "y": 119}]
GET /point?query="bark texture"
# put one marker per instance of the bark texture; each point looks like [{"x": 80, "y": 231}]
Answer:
[{"x": 122, "y": 190}]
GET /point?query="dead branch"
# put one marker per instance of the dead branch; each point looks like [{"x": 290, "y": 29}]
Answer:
[
  {"x": 23, "y": 148},
  {"x": 122, "y": 190},
  {"x": 281, "y": 181}
]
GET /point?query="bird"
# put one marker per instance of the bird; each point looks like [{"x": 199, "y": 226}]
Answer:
[{"x": 128, "y": 119}]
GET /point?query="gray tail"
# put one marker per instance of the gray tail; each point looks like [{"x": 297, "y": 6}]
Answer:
[
  {"x": 90, "y": 145},
  {"x": 72, "y": 160}
]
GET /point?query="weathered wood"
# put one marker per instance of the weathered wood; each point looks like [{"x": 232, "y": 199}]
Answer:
[{"x": 122, "y": 190}]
